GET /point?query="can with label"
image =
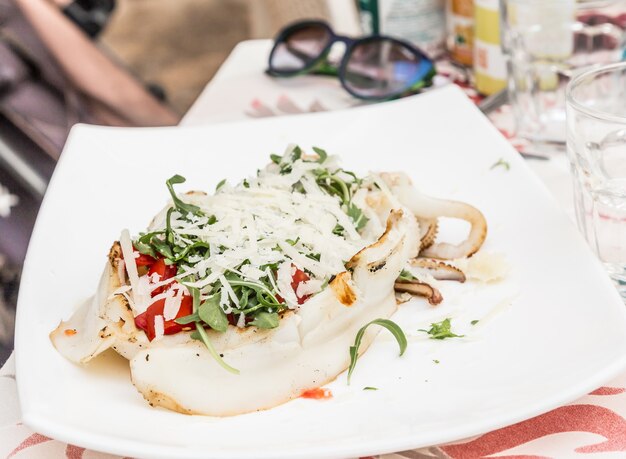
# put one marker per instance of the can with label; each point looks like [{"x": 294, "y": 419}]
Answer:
[
  {"x": 421, "y": 22},
  {"x": 460, "y": 23},
  {"x": 489, "y": 62}
]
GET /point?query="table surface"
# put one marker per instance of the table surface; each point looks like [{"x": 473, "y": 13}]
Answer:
[{"x": 594, "y": 425}]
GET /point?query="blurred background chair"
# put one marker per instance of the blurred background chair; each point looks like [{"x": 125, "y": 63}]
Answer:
[{"x": 52, "y": 76}]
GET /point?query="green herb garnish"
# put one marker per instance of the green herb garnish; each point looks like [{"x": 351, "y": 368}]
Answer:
[
  {"x": 406, "y": 276},
  {"x": 211, "y": 313},
  {"x": 474, "y": 322},
  {"x": 266, "y": 320},
  {"x": 220, "y": 185},
  {"x": 357, "y": 216},
  {"x": 370, "y": 388},
  {"x": 322, "y": 155},
  {"x": 441, "y": 330},
  {"x": 181, "y": 242},
  {"x": 501, "y": 163},
  {"x": 393, "y": 328},
  {"x": 201, "y": 334},
  {"x": 183, "y": 207}
]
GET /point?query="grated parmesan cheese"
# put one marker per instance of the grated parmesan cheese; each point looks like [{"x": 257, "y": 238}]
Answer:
[
  {"x": 131, "y": 268},
  {"x": 159, "y": 327},
  {"x": 282, "y": 219},
  {"x": 172, "y": 304}
]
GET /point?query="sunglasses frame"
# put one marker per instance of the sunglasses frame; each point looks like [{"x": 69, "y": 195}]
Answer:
[{"x": 321, "y": 66}]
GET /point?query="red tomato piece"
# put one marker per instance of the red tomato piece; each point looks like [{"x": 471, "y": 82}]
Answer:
[
  {"x": 164, "y": 272},
  {"x": 144, "y": 260},
  {"x": 145, "y": 320},
  {"x": 319, "y": 393},
  {"x": 298, "y": 277}
]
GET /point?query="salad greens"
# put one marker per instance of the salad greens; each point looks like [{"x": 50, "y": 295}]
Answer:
[
  {"x": 441, "y": 330},
  {"x": 390, "y": 325},
  {"x": 501, "y": 163},
  {"x": 232, "y": 297}
]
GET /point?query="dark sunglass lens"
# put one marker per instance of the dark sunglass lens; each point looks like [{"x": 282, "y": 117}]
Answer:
[
  {"x": 299, "y": 49},
  {"x": 382, "y": 68}
]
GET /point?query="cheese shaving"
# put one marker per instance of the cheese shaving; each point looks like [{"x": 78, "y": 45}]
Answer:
[
  {"x": 131, "y": 268},
  {"x": 159, "y": 327},
  {"x": 172, "y": 305},
  {"x": 249, "y": 240}
]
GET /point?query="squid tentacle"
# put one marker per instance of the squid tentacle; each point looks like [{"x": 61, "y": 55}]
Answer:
[{"x": 426, "y": 207}]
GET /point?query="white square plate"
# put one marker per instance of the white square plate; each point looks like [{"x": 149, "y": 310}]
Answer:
[{"x": 554, "y": 330}]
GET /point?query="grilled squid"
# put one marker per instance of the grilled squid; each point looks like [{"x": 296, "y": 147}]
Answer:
[{"x": 361, "y": 241}]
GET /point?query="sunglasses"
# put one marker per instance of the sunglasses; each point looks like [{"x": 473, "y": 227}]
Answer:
[{"x": 376, "y": 67}]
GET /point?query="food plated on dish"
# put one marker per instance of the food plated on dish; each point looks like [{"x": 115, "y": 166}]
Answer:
[
  {"x": 262, "y": 288},
  {"x": 496, "y": 375}
]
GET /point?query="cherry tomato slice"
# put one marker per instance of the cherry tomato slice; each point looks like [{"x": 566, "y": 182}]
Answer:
[
  {"x": 164, "y": 272},
  {"x": 298, "y": 277},
  {"x": 144, "y": 260},
  {"x": 145, "y": 320}
]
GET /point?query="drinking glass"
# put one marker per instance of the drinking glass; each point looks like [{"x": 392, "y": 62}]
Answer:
[
  {"x": 547, "y": 42},
  {"x": 596, "y": 146}
]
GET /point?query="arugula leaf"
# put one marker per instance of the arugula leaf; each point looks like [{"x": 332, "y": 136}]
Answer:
[
  {"x": 145, "y": 249},
  {"x": 169, "y": 234},
  {"x": 185, "y": 320},
  {"x": 357, "y": 180},
  {"x": 212, "y": 314},
  {"x": 195, "y": 296},
  {"x": 357, "y": 216},
  {"x": 263, "y": 291},
  {"x": 296, "y": 154},
  {"x": 406, "y": 276},
  {"x": 501, "y": 163},
  {"x": 390, "y": 325},
  {"x": 186, "y": 251},
  {"x": 333, "y": 185},
  {"x": 220, "y": 185},
  {"x": 162, "y": 247},
  {"x": 144, "y": 243},
  {"x": 285, "y": 162},
  {"x": 314, "y": 256},
  {"x": 183, "y": 207},
  {"x": 322, "y": 155},
  {"x": 266, "y": 320},
  {"x": 200, "y": 334},
  {"x": 441, "y": 330}
]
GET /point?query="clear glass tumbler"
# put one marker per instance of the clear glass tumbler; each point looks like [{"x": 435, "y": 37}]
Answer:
[
  {"x": 596, "y": 146},
  {"x": 547, "y": 42}
]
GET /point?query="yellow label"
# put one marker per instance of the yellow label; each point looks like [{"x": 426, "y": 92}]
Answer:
[
  {"x": 487, "y": 85},
  {"x": 489, "y": 64},
  {"x": 487, "y": 25}
]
